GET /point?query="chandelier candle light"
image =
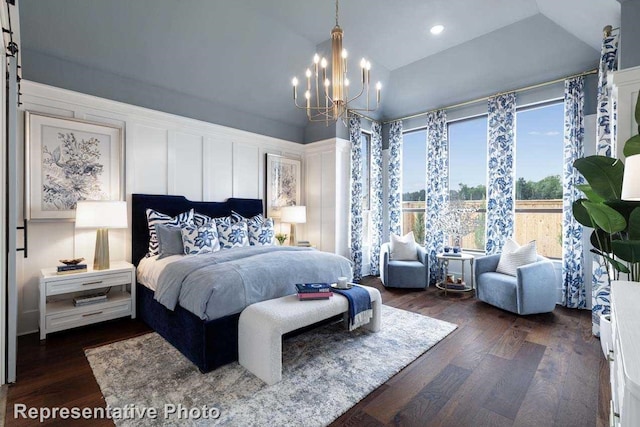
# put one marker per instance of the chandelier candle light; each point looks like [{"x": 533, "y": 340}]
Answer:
[{"x": 336, "y": 104}]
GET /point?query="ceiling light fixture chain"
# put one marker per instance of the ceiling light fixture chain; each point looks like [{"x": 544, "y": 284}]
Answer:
[{"x": 337, "y": 102}]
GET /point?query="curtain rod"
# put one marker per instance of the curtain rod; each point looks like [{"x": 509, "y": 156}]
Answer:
[{"x": 485, "y": 98}]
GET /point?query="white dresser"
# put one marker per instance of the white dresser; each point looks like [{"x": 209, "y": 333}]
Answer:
[{"x": 625, "y": 356}]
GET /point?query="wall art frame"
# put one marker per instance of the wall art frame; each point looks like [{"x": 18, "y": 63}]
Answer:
[
  {"x": 67, "y": 160},
  {"x": 283, "y": 183}
]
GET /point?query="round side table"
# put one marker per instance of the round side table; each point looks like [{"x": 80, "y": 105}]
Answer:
[{"x": 443, "y": 260}]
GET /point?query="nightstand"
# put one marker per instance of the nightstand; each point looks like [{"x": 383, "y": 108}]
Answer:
[{"x": 57, "y": 310}]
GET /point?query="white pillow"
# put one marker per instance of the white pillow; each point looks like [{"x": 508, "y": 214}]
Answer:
[
  {"x": 513, "y": 256},
  {"x": 404, "y": 248}
]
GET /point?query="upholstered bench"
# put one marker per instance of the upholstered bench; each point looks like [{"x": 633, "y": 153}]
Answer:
[{"x": 262, "y": 325}]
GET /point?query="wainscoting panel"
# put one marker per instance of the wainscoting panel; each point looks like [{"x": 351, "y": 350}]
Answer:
[
  {"x": 315, "y": 211},
  {"x": 150, "y": 154},
  {"x": 246, "y": 171},
  {"x": 327, "y": 189},
  {"x": 185, "y": 165},
  {"x": 217, "y": 182},
  {"x": 164, "y": 154}
]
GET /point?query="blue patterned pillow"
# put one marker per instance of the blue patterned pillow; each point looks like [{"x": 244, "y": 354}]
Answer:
[
  {"x": 200, "y": 240},
  {"x": 201, "y": 219},
  {"x": 154, "y": 218},
  {"x": 258, "y": 219},
  {"x": 262, "y": 234},
  {"x": 236, "y": 217},
  {"x": 232, "y": 235}
]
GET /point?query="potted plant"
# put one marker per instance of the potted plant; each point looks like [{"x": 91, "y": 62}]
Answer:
[
  {"x": 281, "y": 238},
  {"x": 615, "y": 222}
]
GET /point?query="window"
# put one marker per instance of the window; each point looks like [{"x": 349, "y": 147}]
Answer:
[
  {"x": 414, "y": 170},
  {"x": 468, "y": 177},
  {"x": 539, "y": 154}
]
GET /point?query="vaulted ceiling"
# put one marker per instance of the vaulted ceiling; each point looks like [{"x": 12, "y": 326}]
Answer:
[{"x": 241, "y": 54}]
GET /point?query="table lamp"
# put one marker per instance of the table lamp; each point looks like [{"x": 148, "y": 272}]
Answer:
[
  {"x": 103, "y": 215},
  {"x": 293, "y": 215},
  {"x": 631, "y": 180}
]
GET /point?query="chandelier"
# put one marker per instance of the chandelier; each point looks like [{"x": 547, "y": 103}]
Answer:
[{"x": 328, "y": 100}]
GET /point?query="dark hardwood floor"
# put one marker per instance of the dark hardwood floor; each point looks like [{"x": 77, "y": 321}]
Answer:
[{"x": 496, "y": 369}]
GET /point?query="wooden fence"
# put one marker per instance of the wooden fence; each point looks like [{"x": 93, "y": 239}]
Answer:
[{"x": 541, "y": 220}]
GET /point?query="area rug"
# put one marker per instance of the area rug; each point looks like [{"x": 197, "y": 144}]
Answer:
[{"x": 325, "y": 372}]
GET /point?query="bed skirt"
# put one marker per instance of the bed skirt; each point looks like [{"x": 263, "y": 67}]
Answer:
[{"x": 209, "y": 344}]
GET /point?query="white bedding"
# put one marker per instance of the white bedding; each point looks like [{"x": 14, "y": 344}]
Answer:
[{"x": 149, "y": 269}]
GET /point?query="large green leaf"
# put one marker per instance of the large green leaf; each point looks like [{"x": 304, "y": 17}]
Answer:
[
  {"x": 601, "y": 240},
  {"x": 580, "y": 213},
  {"x": 628, "y": 250},
  {"x": 634, "y": 224},
  {"x": 632, "y": 146},
  {"x": 604, "y": 174},
  {"x": 605, "y": 217},
  {"x": 617, "y": 265},
  {"x": 591, "y": 195}
]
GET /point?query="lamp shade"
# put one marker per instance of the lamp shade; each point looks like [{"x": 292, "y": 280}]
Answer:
[
  {"x": 101, "y": 214},
  {"x": 631, "y": 180},
  {"x": 294, "y": 214}
]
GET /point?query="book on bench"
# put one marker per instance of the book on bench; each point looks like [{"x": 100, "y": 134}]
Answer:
[
  {"x": 314, "y": 295},
  {"x": 312, "y": 287}
]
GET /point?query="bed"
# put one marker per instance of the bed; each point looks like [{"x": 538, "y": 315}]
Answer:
[{"x": 207, "y": 343}]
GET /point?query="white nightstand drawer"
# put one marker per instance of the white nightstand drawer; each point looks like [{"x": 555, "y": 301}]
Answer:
[
  {"x": 79, "y": 316},
  {"x": 68, "y": 283}
]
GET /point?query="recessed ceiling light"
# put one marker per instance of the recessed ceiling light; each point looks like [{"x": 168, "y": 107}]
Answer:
[{"x": 437, "y": 29}]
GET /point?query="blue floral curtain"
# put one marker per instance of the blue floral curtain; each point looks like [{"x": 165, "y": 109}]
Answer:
[
  {"x": 395, "y": 177},
  {"x": 356, "y": 196},
  {"x": 375, "y": 194},
  {"x": 437, "y": 186},
  {"x": 500, "y": 180},
  {"x": 605, "y": 146},
  {"x": 573, "y": 289},
  {"x": 608, "y": 64}
]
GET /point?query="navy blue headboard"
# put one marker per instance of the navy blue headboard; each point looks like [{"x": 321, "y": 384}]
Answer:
[{"x": 173, "y": 205}]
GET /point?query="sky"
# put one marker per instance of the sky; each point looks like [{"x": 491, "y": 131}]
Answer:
[{"x": 539, "y": 141}]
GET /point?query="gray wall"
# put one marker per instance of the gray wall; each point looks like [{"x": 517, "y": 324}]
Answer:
[
  {"x": 42, "y": 68},
  {"x": 629, "y": 33}
]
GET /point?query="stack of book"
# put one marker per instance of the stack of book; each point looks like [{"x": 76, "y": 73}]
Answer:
[
  {"x": 308, "y": 291},
  {"x": 72, "y": 268},
  {"x": 456, "y": 286},
  {"x": 89, "y": 299}
]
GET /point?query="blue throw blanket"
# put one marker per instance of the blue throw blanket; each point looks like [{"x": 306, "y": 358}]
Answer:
[{"x": 360, "y": 311}]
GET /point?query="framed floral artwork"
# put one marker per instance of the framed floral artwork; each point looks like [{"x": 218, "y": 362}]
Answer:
[
  {"x": 67, "y": 160},
  {"x": 283, "y": 183}
]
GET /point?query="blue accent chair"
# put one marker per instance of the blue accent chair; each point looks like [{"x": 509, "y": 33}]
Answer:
[
  {"x": 533, "y": 290},
  {"x": 403, "y": 274}
]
